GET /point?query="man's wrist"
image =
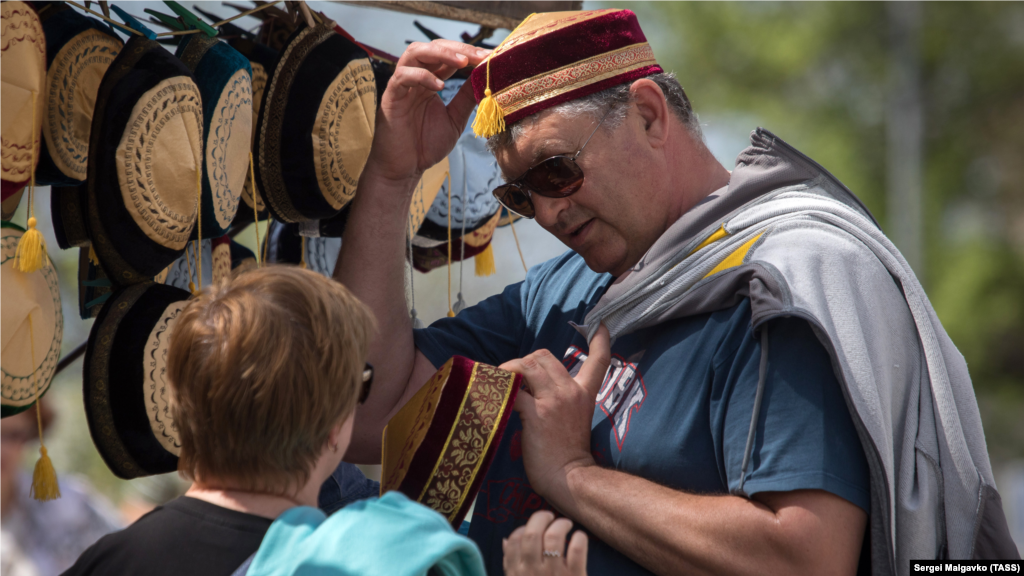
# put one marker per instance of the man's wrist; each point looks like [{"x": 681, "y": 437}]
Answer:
[{"x": 566, "y": 495}]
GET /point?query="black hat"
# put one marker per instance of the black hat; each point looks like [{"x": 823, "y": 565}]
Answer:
[
  {"x": 145, "y": 161},
  {"x": 315, "y": 125},
  {"x": 224, "y": 78},
  {"x": 68, "y": 216},
  {"x": 127, "y": 396},
  {"x": 79, "y": 50}
]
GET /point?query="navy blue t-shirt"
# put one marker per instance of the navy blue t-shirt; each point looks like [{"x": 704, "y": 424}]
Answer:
[{"x": 675, "y": 406}]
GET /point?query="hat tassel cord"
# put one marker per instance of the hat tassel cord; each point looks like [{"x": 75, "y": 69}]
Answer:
[
  {"x": 44, "y": 477},
  {"x": 31, "y": 247},
  {"x": 490, "y": 118}
]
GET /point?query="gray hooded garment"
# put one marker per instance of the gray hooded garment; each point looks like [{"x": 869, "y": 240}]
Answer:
[{"x": 796, "y": 242}]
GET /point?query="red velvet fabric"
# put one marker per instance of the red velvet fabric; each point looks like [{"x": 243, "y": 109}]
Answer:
[
  {"x": 7, "y": 188},
  {"x": 551, "y": 51}
]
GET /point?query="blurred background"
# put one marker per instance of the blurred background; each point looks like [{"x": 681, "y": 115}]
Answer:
[{"x": 917, "y": 108}]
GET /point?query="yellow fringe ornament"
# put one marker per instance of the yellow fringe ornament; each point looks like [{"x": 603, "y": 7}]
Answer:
[
  {"x": 484, "y": 262},
  {"x": 31, "y": 247},
  {"x": 490, "y": 118},
  {"x": 44, "y": 477},
  {"x": 93, "y": 257}
]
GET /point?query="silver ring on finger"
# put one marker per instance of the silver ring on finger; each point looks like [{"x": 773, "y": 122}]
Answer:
[{"x": 552, "y": 554}]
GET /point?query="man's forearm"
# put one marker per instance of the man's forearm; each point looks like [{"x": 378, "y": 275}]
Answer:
[
  {"x": 672, "y": 532},
  {"x": 372, "y": 266}
]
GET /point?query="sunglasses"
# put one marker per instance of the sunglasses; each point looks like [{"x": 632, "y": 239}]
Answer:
[
  {"x": 364, "y": 392},
  {"x": 557, "y": 177}
]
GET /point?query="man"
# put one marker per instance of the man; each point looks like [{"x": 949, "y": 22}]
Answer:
[{"x": 727, "y": 435}]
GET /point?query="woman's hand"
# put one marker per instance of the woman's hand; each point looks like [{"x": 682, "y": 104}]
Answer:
[
  {"x": 414, "y": 129},
  {"x": 538, "y": 548}
]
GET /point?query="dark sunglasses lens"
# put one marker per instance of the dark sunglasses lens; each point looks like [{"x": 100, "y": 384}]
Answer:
[
  {"x": 555, "y": 177},
  {"x": 514, "y": 199}
]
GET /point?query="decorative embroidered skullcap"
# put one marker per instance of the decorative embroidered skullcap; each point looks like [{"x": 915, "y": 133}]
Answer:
[
  {"x": 242, "y": 259},
  {"x": 224, "y": 78},
  {"x": 438, "y": 447},
  {"x": 32, "y": 326},
  {"x": 556, "y": 57},
  {"x": 474, "y": 174},
  {"x": 79, "y": 50},
  {"x": 22, "y": 75},
  {"x": 231, "y": 258},
  {"x": 425, "y": 192},
  {"x": 186, "y": 268},
  {"x": 94, "y": 288},
  {"x": 317, "y": 253},
  {"x": 10, "y": 204},
  {"x": 315, "y": 125},
  {"x": 262, "y": 60},
  {"x": 145, "y": 162},
  {"x": 127, "y": 395},
  {"x": 430, "y": 254},
  {"x": 67, "y": 213}
]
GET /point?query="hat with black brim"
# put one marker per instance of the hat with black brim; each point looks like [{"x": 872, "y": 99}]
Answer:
[
  {"x": 224, "y": 78},
  {"x": 127, "y": 395},
  {"x": 262, "y": 59},
  {"x": 68, "y": 216},
  {"x": 145, "y": 156},
  {"x": 22, "y": 81},
  {"x": 315, "y": 125},
  {"x": 79, "y": 51},
  {"x": 32, "y": 326},
  {"x": 429, "y": 254},
  {"x": 438, "y": 447}
]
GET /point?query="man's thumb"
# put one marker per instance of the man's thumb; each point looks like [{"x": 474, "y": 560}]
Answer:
[{"x": 591, "y": 374}]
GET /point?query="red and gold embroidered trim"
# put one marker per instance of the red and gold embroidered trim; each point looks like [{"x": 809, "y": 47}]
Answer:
[
  {"x": 471, "y": 437},
  {"x": 576, "y": 75}
]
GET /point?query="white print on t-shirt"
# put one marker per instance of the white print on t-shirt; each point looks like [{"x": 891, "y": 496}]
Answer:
[{"x": 622, "y": 393}]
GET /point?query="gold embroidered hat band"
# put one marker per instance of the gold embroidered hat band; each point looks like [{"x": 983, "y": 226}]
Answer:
[{"x": 556, "y": 57}]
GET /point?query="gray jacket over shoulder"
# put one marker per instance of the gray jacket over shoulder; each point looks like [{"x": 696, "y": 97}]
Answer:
[{"x": 790, "y": 237}]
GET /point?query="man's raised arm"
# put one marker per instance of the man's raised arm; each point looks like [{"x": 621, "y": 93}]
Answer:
[{"x": 414, "y": 131}]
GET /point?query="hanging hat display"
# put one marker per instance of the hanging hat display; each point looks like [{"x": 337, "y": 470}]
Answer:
[
  {"x": 94, "y": 287},
  {"x": 430, "y": 254},
  {"x": 224, "y": 78},
  {"x": 188, "y": 266},
  {"x": 32, "y": 326},
  {"x": 242, "y": 259},
  {"x": 474, "y": 173},
  {"x": 439, "y": 446},
  {"x": 22, "y": 78},
  {"x": 556, "y": 57},
  {"x": 68, "y": 217},
  {"x": 10, "y": 204},
  {"x": 145, "y": 162},
  {"x": 425, "y": 192},
  {"x": 288, "y": 246},
  {"x": 315, "y": 125},
  {"x": 230, "y": 258},
  {"x": 127, "y": 395},
  {"x": 79, "y": 50},
  {"x": 261, "y": 59}
]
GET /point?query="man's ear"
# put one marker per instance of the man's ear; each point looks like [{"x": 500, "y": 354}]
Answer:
[{"x": 653, "y": 109}]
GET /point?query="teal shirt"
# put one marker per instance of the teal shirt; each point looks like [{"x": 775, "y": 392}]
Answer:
[{"x": 388, "y": 536}]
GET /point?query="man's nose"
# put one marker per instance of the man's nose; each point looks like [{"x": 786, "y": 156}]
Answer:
[{"x": 547, "y": 210}]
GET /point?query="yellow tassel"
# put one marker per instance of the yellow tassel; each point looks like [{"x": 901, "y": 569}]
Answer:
[
  {"x": 484, "y": 262},
  {"x": 490, "y": 118},
  {"x": 93, "y": 257},
  {"x": 302, "y": 258},
  {"x": 44, "y": 478},
  {"x": 31, "y": 248}
]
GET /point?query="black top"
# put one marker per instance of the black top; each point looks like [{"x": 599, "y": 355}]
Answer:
[{"x": 184, "y": 536}]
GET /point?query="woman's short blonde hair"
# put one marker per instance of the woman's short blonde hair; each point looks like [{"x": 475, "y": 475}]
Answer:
[{"x": 263, "y": 367}]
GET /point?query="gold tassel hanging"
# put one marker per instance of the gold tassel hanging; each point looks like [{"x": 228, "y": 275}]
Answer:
[
  {"x": 302, "y": 258},
  {"x": 484, "y": 262},
  {"x": 31, "y": 247},
  {"x": 93, "y": 257},
  {"x": 44, "y": 477},
  {"x": 255, "y": 212},
  {"x": 490, "y": 118}
]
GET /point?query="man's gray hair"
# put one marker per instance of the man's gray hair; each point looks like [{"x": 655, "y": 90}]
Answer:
[{"x": 613, "y": 102}]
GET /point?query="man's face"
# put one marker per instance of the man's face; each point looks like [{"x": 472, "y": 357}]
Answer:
[{"x": 611, "y": 221}]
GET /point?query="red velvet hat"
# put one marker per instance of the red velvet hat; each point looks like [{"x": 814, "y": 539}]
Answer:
[{"x": 556, "y": 57}]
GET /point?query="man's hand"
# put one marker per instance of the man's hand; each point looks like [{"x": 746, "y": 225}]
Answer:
[
  {"x": 538, "y": 548},
  {"x": 415, "y": 130},
  {"x": 557, "y": 411}
]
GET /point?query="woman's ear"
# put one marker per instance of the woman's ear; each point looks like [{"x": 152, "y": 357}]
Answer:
[{"x": 653, "y": 109}]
